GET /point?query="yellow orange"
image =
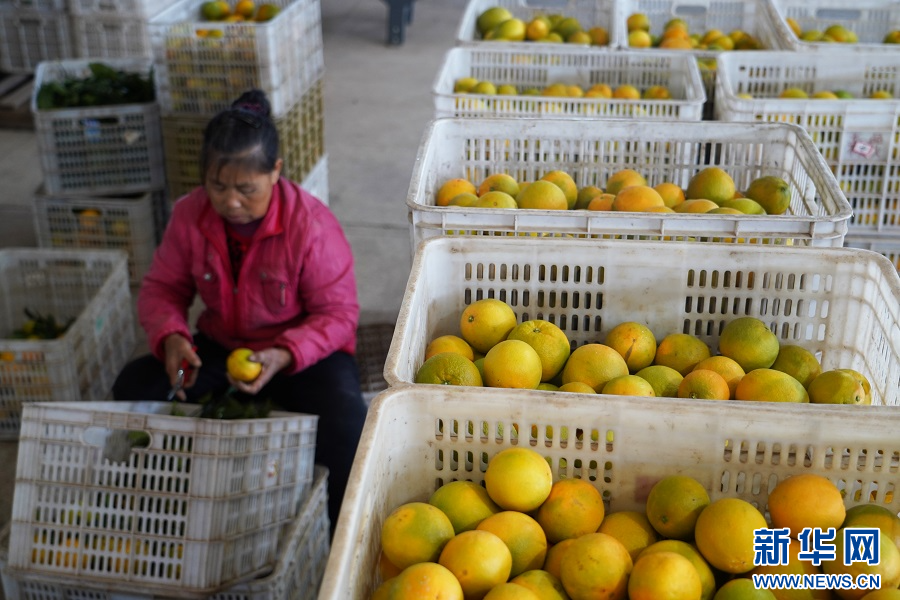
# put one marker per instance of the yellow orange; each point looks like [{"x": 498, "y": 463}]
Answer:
[
  {"x": 479, "y": 559},
  {"x": 553, "y": 560},
  {"x": 240, "y": 366},
  {"x": 545, "y": 585},
  {"x": 770, "y": 192},
  {"x": 626, "y": 92},
  {"x": 415, "y": 532},
  {"x": 602, "y": 202},
  {"x": 795, "y": 567},
  {"x": 573, "y": 508},
  {"x": 585, "y": 195},
  {"x": 383, "y": 591},
  {"x": 639, "y": 39},
  {"x": 600, "y": 90},
  {"x": 628, "y": 385},
  {"x": 798, "y": 362},
  {"x": 867, "y": 387},
  {"x": 449, "y": 368},
  {"x": 622, "y": 179},
  {"x": 594, "y": 364},
  {"x": 637, "y": 198},
  {"x": 696, "y": 206},
  {"x": 486, "y": 322},
  {"x": 676, "y": 43},
  {"x": 664, "y": 576},
  {"x": 565, "y": 183},
  {"x": 266, "y": 12},
  {"x": 451, "y": 188},
  {"x": 769, "y": 385},
  {"x": 665, "y": 380},
  {"x": 806, "y": 500},
  {"x": 635, "y": 342},
  {"x": 836, "y": 387},
  {"x": 495, "y": 199},
  {"x": 656, "y": 92},
  {"x": 512, "y": 364},
  {"x": 632, "y": 528},
  {"x": 888, "y": 567},
  {"x": 518, "y": 479},
  {"x": 548, "y": 340},
  {"x": 426, "y": 581},
  {"x": 711, "y": 183},
  {"x": 510, "y": 591},
  {"x": 522, "y": 535},
  {"x": 449, "y": 343},
  {"x": 724, "y": 534},
  {"x": 690, "y": 552},
  {"x": 576, "y": 387},
  {"x": 637, "y": 21},
  {"x": 464, "y": 199},
  {"x": 681, "y": 351},
  {"x": 465, "y": 503},
  {"x": 750, "y": 343},
  {"x": 245, "y": 8},
  {"x": 543, "y": 195},
  {"x": 742, "y": 589},
  {"x": 730, "y": 371},
  {"x": 597, "y": 565},
  {"x": 599, "y": 36},
  {"x": 886, "y": 594},
  {"x": 499, "y": 182},
  {"x": 673, "y": 505},
  {"x": 386, "y": 568},
  {"x": 875, "y": 515},
  {"x": 671, "y": 194},
  {"x": 704, "y": 384}
]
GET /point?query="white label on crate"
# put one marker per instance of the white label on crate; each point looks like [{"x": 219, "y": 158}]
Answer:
[
  {"x": 865, "y": 146},
  {"x": 271, "y": 471},
  {"x": 131, "y": 136}
]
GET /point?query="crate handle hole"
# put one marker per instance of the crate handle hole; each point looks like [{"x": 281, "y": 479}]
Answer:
[
  {"x": 690, "y": 10},
  {"x": 838, "y": 14}
]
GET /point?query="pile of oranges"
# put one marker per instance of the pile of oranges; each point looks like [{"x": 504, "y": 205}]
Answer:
[
  {"x": 494, "y": 350},
  {"x": 710, "y": 190},
  {"x": 523, "y": 536}
]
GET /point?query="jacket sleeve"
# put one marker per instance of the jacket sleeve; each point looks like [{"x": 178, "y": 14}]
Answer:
[
  {"x": 168, "y": 288},
  {"x": 327, "y": 290}
]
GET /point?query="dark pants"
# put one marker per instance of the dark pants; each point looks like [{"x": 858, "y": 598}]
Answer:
[{"x": 330, "y": 388}]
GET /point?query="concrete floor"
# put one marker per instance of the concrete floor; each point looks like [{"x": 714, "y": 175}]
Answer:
[{"x": 377, "y": 103}]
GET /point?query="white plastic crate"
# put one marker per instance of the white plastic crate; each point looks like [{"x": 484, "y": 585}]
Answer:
[
  {"x": 136, "y": 9},
  {"x": 201, "y": 506},
  {"x": 750, "y": 16},
  {"x": 29, "y": 36},
  {"x": 590, "y": 13},
  {"x": 107, "y": 35},
  {"x": 887, "y": 245},
  {"x": 301, "y": 134},
  {"x": 839, "y": 303},
  {"x": 316, "y": 183},
  {"x": 591, "y": 151},
  {"x": 98, "y": 150},
  {"x": 859, "y": 138},
  {"x": 538, "y": 67},
  {"x": 296, "y": 575},
  {"x": 871, "y": 20},
  {"x": 417, "y": 438},
  {"x": 113, "y": 222},
  {"x": 202, "y": 66},
  {"x": 90, "y": 285}
]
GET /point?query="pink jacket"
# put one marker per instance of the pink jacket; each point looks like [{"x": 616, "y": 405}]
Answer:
[{"x": 296, "y": 289}]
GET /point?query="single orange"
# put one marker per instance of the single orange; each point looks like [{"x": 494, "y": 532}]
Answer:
[{"x": 704, "y": 384}]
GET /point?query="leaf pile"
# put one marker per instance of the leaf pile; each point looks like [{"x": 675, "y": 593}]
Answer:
[
  {"x": 104, "y": 86},
  {"x": 230, "y": 405},
  {"x": 41, "y": 327}
]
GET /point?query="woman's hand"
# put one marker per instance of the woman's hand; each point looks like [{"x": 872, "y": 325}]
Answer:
[
  {"x": 272, "y": 360},
  {"x": 178, "y": 348}
]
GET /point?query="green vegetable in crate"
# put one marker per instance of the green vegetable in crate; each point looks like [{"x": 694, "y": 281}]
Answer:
[
  {"x": 103, "y": 87},
  {"x": 230, "y": 405},
  {"x": 41, "y": 327}
]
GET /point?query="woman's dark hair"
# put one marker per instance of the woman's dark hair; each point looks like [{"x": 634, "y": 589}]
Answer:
[{"x": 242, "y": 134}]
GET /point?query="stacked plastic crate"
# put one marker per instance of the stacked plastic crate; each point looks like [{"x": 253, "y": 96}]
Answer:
[
  {"x": 155, "y": 505},
  {"x": 112, "y": 28},
  {"x": 32, "y": 31},
  {"x": 104, "y": 179},
  {"x": 203, "y": 66}
]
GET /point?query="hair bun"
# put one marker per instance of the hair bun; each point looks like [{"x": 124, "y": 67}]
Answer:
[{"x": 254, "y": 102}]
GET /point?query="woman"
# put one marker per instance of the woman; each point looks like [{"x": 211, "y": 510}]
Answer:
[{"x": 275, "y": 273}]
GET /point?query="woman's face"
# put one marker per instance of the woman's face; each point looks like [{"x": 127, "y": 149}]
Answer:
[{"x": 240, "y": 194}]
